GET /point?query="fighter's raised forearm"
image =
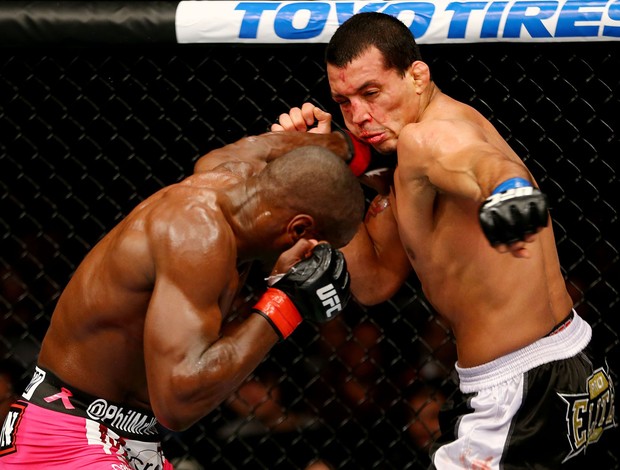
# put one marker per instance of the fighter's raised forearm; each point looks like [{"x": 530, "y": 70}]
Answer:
[{"x": 263, "y": 148}]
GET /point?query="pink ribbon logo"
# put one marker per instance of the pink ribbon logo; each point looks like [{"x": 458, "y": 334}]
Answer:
[{"x": 63, "y": 395}]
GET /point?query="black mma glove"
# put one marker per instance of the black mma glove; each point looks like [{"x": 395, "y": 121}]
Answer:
[
  {"x": 316, "y": 288},
  {"x": 514, "y": 210}
]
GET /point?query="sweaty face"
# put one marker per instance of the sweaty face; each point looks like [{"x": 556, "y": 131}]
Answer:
[{"x": 376, "y": 102}]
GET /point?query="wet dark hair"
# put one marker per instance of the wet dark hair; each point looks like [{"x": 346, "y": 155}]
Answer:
[
  {"x": 364, "y": 30},
  {"x": 315, "y": 181}
]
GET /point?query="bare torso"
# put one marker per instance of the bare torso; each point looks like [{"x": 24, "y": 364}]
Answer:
[
  {"x": 495, "y": 303},
  {"x": 95, "y": 340}
]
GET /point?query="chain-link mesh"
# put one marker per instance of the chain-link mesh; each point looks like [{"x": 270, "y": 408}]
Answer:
[{"x": 85, "y": 134}]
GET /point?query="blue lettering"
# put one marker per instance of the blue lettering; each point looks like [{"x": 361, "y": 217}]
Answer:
[
  {"x": 518, "y": 17},
  {"x": 283, "y": 24},
  {"x": 614, "y": 14},
  {"x": 492, "y": 19},
  {"x": 344, "y": 11},
  {"x": 577, "y": 18},
  {"x": 423, "y": 13},
  {"x": 370, "y": 7},
  {"x": 571, "y": 13},
  {"x": 458, "y": 25},
  {"x": 251, "y": 18}
]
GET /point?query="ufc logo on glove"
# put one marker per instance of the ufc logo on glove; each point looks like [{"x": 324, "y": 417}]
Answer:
[
  {"x": 316, "y": 289},
  {"x": 329, "y": 298}
]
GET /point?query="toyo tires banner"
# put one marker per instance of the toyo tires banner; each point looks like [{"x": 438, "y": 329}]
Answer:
[
  {"x": 273, "y": 22},
  {"x": 438, "y": 21}
]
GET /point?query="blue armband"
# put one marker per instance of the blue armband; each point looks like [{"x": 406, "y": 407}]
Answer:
[
  {"x": 512, "y": 183},
  {"x": 515, "y": 210}
]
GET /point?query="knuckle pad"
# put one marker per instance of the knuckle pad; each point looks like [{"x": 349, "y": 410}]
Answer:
[
  {"x": 510, "y": 220},
  {"x": 318, "y": 285}
]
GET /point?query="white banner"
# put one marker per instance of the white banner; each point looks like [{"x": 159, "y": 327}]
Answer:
[{"x": 432, "y": 22}]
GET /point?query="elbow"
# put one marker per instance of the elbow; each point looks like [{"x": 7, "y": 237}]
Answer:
[
  {"x": 178, "y": 409},
  {"x": 372, "y": 294},
  {"x": 174, "y": 415},
  {"x": 368, "y": 292},
  {"x": 371, "y": 297},
  {"x": 201, "y": 165},
  {"x": 186, "y": 401},
  {"x": 178, "y": 415},
  {"x": 172, "y": 423}
]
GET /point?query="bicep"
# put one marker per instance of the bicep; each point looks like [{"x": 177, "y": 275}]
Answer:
[
  {"x": 247, "y": 149},
  {"x": 237, "y": 163},
  {"x": 454, "y": 157},
  {"x": 184, "y": 316},
  {"x": 263, "y": 148},
  {"x": 181, "y": 323}
]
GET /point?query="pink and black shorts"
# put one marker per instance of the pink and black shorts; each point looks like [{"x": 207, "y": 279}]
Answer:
[{"x": 54, "y": 426}]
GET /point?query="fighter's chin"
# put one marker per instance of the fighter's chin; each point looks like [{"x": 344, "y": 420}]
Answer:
[
  {"x": 385, "y": 146},
  {"x": 380, "y": 141}
]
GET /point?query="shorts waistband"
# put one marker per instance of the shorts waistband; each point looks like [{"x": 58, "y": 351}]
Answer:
[
  {"x": 570, "y": 338},
  {"x": 563, "y": 324},
  {"x": 48, "y": 391}
]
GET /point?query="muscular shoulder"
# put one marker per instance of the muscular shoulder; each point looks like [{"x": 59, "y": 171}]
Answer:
[
  {"x": 190, "y": 214},
  {"x": 186, "y": 224},
  {"x": 441, "y": 132},
  {"x": 428, "y": 142},
  {"x": 417, "y": 145}
]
